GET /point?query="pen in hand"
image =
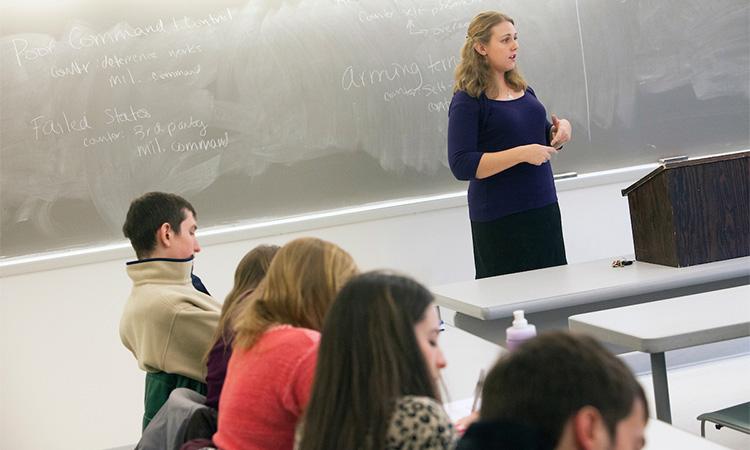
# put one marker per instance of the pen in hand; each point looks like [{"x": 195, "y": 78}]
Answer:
[
  {"x": 478, "y": 391},
  {"x": 464, "y": 422}
]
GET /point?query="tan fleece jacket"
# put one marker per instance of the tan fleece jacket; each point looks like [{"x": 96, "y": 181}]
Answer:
[{"x": 167, "y": 324}]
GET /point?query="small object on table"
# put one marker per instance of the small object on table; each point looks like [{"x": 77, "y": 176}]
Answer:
[{"x": 622, "y": 262}]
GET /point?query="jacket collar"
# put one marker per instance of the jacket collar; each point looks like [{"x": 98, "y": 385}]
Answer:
[
  {"x": 139, "y": 261},
  {"x": 160, "y": 271}
]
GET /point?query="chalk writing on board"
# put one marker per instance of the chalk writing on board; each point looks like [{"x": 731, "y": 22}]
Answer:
[
  {"x": 108, "y": 138},
  {"x": 441, "y": 30},
  {"x": 178, "y": 73},
  {"x": 201, "y": 145},
  {"x": 75, "y": 67},
  {"x": 171, "y": 128},
  {"x": 276, "y": 95},
  {"x": 152, "y": 147},
  {"x": 45, "y": 126},
  {"x": 123, "y": 78},
  {"x": 355, "y": 78},
  {"x": 25, "y": 52},
  {"x": 212, "y": 19},
  {"x": 79, "y": 38},
  {"x": 188, "y": 49},
  {"x": 128, "y": 115},
  {"x": 375, "y": 16},
  {"x": 117, "y": 61},
  {"x": 409, "y": 75}
]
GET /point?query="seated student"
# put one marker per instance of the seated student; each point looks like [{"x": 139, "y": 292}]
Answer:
[
  {"x": 376, "y": 384},
  {"x": 559, "y": 391},
  {"x": 167, "y": 323},
  {"x": 276, "y": 344},
  {"x": 249, "y": 273}
]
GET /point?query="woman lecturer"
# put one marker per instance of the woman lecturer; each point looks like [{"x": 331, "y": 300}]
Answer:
[{"x": 500, "y": 140}]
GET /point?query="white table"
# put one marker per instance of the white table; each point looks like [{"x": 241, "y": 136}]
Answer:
[
  {"x": 578, "y": 284},
  {"x": 658, "y": 327},
  {"x": 466, "y": 355},
  {"x": 659, "y": 435}
]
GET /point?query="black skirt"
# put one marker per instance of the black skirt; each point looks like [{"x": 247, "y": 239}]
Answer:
[{"x": 522, "y": 241}]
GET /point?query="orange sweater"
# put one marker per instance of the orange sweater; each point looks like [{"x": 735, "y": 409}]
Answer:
[{"x": 266, "y": 390}]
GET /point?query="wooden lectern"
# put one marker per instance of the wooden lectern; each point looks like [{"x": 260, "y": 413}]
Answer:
[{"x": 693, "y": 211}]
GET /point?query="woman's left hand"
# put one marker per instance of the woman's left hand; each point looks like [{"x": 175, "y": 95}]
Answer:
[{"x": 561, "y": 132}]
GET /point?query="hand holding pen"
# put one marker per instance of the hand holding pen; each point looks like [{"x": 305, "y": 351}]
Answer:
[{"x": 463, "y": 423}]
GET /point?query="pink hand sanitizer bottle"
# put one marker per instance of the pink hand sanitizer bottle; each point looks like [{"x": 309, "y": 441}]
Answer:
[{"x": 520, "y": 332}]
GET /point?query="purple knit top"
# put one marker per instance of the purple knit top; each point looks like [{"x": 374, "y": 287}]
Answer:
[
  {"x": 216, "y": 370},
  {"x": 481, "y": 125}
]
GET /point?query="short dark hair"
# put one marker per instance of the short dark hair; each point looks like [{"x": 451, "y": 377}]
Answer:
[
  {"x": 148, "y": 213},
  {"x": 550, "y": 378}
]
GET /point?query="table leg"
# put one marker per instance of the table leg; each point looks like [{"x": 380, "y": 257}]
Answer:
[{"x": 661, "y": 388}]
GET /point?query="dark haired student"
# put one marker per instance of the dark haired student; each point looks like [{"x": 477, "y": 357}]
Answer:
[
  {"x": 559, "y": 391},
  {"x": 169, "y": 320},
  {"x": 376, "y": 381},
  {"x": 499, "y": 138}
]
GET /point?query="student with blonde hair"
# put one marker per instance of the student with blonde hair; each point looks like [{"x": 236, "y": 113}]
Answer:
[
  {"x": 376, "y": 383},
  {"x": 500, "y": 140},
  {"x": 276, "y": 343}
]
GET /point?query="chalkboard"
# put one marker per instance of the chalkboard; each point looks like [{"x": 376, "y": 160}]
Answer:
[{"x": 267, "y": 109}]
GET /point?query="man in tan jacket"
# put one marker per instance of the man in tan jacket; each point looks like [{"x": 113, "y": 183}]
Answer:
[{"x": 167, "y": 323}]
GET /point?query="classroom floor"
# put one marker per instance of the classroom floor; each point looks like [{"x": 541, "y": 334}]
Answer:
[
  {"x": 706, "y": 387},
  {"x": 694, "y": 389}
]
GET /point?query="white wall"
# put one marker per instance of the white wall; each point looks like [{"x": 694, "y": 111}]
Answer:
[{"x": 66, "y": 382}]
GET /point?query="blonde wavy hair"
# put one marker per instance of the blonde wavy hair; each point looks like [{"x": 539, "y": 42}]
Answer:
[
  {"x": 299, "y": 288},
  {"x": 474, "y": 74}
]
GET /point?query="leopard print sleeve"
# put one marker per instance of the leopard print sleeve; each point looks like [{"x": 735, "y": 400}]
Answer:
[{"x": 419, "y": 423}]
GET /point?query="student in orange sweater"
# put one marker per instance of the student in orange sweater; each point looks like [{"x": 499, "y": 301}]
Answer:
[{"x": 271, "y": 370}]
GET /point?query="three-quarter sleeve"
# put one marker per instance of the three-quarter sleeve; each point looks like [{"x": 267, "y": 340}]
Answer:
[
  {"x": 547, "y": 123},
  {"x": 463, "y": 134}
]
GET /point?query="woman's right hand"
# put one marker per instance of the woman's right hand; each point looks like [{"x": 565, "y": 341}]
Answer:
[
  {"x": 537, "y": 154},
  {"x": 492, "y": 163},
  {"x": 465, "y": 422}
]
